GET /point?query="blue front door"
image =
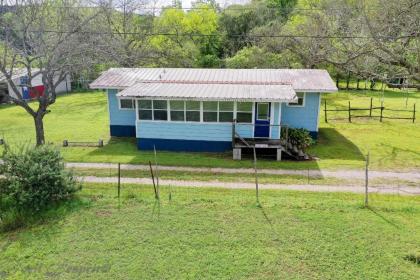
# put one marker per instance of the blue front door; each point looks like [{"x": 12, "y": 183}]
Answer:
[{"x": 262, "y": 120}]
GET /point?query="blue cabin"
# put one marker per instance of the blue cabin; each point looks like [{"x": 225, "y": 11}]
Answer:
[{"x": 183, "y": 109}]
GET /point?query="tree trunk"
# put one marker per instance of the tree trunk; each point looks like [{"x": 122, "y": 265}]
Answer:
[{"x": 39, "y": 129}]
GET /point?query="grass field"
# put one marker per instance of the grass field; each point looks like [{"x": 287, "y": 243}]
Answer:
[
  {"x": 217, "y": 234},
  {"x": 393, "y": 144}
]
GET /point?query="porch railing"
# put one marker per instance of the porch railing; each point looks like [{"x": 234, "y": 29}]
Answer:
[{"x": 283, "y": 131}]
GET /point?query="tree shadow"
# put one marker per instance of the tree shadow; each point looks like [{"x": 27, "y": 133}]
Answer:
[{"x": 332, "y": 144}]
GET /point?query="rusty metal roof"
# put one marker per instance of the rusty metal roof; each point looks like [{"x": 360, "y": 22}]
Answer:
[
  {"x": 305, "y": 80},
  {"x": 221, "y": 92}
]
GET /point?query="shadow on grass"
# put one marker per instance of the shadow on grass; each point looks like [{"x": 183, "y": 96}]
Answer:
[
  {"x": 332, "y": 144},
  {"x": 382, "y": 217}
]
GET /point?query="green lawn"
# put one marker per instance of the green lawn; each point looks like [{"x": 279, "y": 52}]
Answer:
[
  {"x": 83, "y": 117},
  {"x": 217, "y": 234}
]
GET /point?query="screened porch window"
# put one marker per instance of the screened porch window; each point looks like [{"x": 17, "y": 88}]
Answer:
[
  {"x": 244, "y": 112},
  {"x": 226, "y": 111},
  {"x": 193, "y": 111},
  {"x": 160, "y": 110},
  {"x": 210, "y": 111},
  {"x": 177, "y": 110},
  {"x": 145, "y": 109},
  {"x": 153, "y": 110}
]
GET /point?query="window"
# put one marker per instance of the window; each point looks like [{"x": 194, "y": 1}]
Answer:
[
  {"x": 177, "y": 110},
  {"x": 244, "y": 112},
  {"x": 210, "y": 111},
  {"x": 225, "y": 111},
  {"x": 127, "y": 104},
  {"x": 300, "y": 102},
  {"x": 263, "y": 111},
  {"x": 145, "y": 109},
  {"x": 153, "y": 110},
  {"x": 160, "y": 110},
  {"x": 192, "y": 111}
]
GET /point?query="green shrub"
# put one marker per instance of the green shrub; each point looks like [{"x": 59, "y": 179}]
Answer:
[
  {"x": 298, "y": 136},
  {"x": 35, "y": 178}
]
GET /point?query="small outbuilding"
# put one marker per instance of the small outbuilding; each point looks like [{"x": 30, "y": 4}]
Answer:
[
  {"x": 20, "y": 79},
  {"x": 210, "y": 109}
]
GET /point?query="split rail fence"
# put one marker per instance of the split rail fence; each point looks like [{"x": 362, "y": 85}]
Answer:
[{"x": 372, "y": 112}]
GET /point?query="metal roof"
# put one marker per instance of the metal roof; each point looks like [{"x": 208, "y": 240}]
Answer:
[
  {"x": 304, "y": 80},
  {"x": 221, "y": 92}
]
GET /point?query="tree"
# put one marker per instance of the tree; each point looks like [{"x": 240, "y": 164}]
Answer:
[
  {"x": 128, "y": 30},
  {"x": 375, "y": 39},
  {"x": 254, "y": 57},
  {"x": 186, "y": 39},
  {"x": 46, "y": 39}
]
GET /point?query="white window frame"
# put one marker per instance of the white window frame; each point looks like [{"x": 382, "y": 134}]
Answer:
[
  {"x": 202, "y": 112},
  {"x": 235, "y": 111},
  {"x": 133, "y": 101},
  {"x": 269, "y": 111},
  {"x": 169, "y": 111},
  {"x": 295, "y": 104},
  {"x": 252, "y": 111}
]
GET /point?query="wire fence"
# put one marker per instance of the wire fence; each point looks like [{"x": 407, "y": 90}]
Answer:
[{"x": 348, "y": 179}]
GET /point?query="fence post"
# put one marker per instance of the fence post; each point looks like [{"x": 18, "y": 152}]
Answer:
[
  {"x": 414, "y": 112},
  {"x": 157, "y": 174},
  {"x": 382, "y": 109},
  {"x": 233, "y": 133},
  {"x": 119, "y": 179},
  {"x": 256, "y": 176},
  {"x": 325, "y": 110},
  {"x": 370, "y": 110},
  {"x": 367, "y": 181},
  {"x": 349, "y": 112}
]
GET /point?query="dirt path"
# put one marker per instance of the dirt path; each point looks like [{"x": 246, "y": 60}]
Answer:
[
  {"x": 229, "y": 185},
  {"x": 341, "y": 174}
]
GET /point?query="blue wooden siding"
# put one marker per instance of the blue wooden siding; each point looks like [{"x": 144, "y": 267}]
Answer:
[
  {"x": 190, "y": 131},
  {"x": 303, "y": 117},
  {"x": 119, "y": 117}
]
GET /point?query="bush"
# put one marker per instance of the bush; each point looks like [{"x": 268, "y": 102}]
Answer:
[
  {"x": 35, "y": 178},
  {"x": 298, "y": 136}
]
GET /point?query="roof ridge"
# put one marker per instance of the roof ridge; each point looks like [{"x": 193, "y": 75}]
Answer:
[{"x": 221, "y": 82}]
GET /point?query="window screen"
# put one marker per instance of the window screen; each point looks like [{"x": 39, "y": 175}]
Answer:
[
  {"x": 244, "y": 112},
  {"x": 300, "y": 100},
  {"x": 225, "y": 111},
  {"x": 210, "y": 111},
  {"x": 126, "y": 103}
]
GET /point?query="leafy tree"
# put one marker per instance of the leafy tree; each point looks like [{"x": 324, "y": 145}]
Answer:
[
  {"x": 189, "y": 37},
  {"x": 254, "y": 57}
]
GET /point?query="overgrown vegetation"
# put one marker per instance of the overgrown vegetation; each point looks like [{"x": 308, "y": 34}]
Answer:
[
  {"x": 34, "y": 180},
  {"x": 297, "y": 136}
]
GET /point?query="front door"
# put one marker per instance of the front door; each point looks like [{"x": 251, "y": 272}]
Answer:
[{"x": 262, "y": 120}]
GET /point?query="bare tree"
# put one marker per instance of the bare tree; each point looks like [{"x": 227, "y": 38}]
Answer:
[
  {"x": 128, "y": 26},
  {"x": 47, "y": 40}
]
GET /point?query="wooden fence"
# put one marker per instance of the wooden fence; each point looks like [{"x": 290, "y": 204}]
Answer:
[{"x": 372, "y": 112}]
